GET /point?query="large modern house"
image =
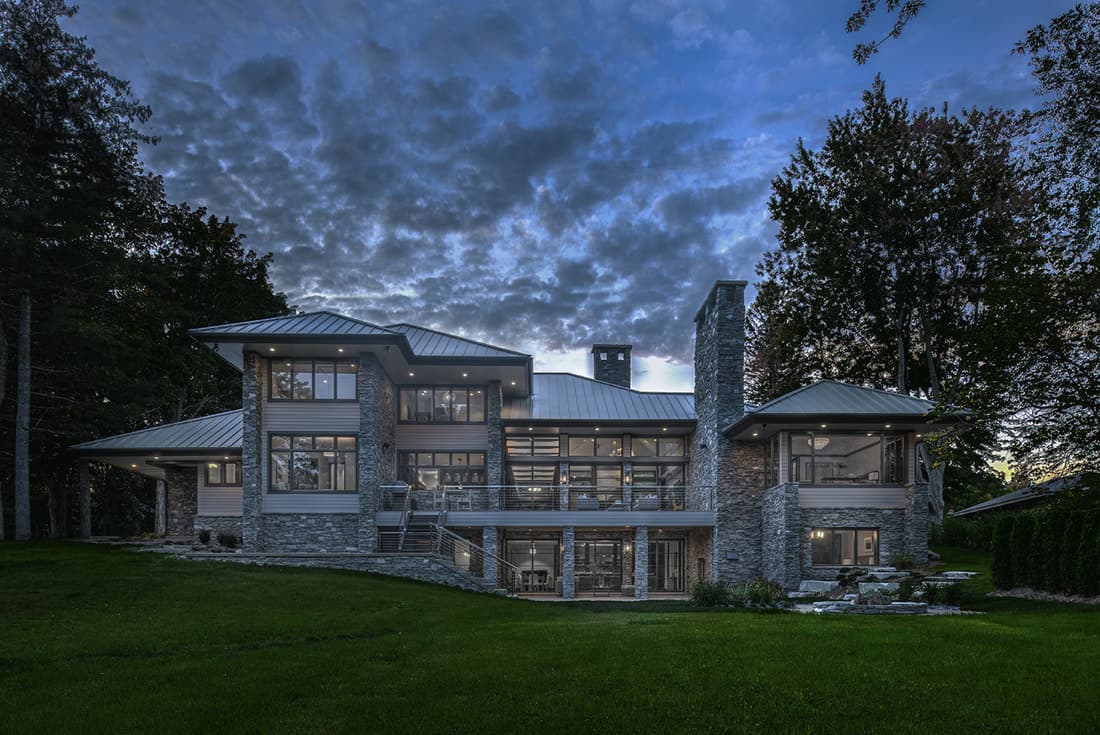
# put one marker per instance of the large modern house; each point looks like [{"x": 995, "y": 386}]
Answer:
[{"x": 409, "y": 451}]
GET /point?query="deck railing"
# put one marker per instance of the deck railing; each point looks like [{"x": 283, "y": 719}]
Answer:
[{"x": 458, "y": 498}]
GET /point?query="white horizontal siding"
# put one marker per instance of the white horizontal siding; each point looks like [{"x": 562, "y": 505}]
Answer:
[
  {"x": 473, "y": 437},
  {"x": 851, "y": 497},
  {"x": 217, "y": 501},
  {"x": 311, "y": 417},
  {"x": 311, "y": 503}
]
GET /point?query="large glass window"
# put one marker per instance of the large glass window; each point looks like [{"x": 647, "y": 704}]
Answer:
[
  {"x": 657, "y": 446},
  {"x": 223, "y": 473},
  {"x": 311, "y": 464},
  {"x": 844, "y": 547},
  {"x": 867, "y": 458},
  {"x": 431, "y": 470},
  {"x": 528, "y": 445},
  {"x": 531, "y": 487},
  {"x": 312, "y": 380},
  {"x": 443, "y": 404}
]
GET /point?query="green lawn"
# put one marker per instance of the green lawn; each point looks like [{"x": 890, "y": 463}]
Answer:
[{"x": 102, "y": 639}]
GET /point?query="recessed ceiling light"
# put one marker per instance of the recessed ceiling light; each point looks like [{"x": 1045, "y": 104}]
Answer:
[
  {"x": 870, "y": 433},
  {"x": 412, "y": 375},
  {"x": 465, "y": 375},
  {"x": 225, "y": 457},
  {"x": 134, "y": 466},
  {"x": 530, "y": 428},
  {"x": 664, "y": 428},
  {"x": 756, "y": 433},
  {"x": 597, "y": 428},
  {"x": 156, "y": 457},
  {"x": 270, "y": 349},
  {"x": 919, "y": 436},
  {"x": 823, "y": 426},
  {"x": 513, "y": 382},
  {"x": 887, "y": 426},
  {"x": 339, "y": 349}
]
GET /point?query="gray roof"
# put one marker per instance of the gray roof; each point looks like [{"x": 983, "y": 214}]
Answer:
[
  {"x": 1020, "y": 496},
  {"x": 430, "y": 343},
  {"x": 221, "y": 431},
  {"x": 315, "y": 323},
  {"x": 568, "y": 397},
  {"x": 831, "y": 397}
]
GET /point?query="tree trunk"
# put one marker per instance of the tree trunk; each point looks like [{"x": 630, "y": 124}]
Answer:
[
  {"x": 935, "y": 482},
  {"x": 903, "y": 381},
  {"x": 85, "y": 502},
  {"x": 23, "y": 423},
  {"x": 161, "y": 519}
]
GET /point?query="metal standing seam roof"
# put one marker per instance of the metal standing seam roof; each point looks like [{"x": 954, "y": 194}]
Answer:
[
  {"x": 832, "y": 397},
  {"x": 1020, "y": 495},
  {"x": 220, "y": 431},
  {"x": 430, "y": 343},
  {"x": 568, "y": 397},
  {"x": 315, "y": 323}
]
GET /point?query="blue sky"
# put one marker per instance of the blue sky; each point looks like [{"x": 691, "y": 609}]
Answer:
[{"x": 540, "y": 176}]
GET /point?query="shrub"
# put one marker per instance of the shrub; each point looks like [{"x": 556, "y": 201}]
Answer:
[
  {"x": 1021, "y": 546},
  {"x": 1035, "y": 557},
  {"x": 1071, "y": 542},
  {"x": 933, "y": 594},
  {"x": 906, "y": 588},
  {"x": 710, "y": 594},
  {"x": 952, "y": 595},
  {"x": 969, "y": 533},
  {"x": 1052, "y": 552},
  {"x": 763, "y": 592},
  {"x": 901, "y": 561},
  {"x": 1086, "y": 573},
  {"x": 204, "y": 536},
  {"x": 227, "y": 539},
  {"x": 1002, "y": 553}
]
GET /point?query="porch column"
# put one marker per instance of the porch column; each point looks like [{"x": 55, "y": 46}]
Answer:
[
  {"x": 161, "y": 518},
  {"x": 252, "y": 452},
  {"x": 494, "y": 451},
  {"x": 568, "y": 581},
  {"x": 641, "y": 562},
  {"x": 489, "y": 543},
  {"x": 85, "y": 501}
]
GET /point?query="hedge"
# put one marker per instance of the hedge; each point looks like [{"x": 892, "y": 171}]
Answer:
[{"x": 1053, "y": 550}]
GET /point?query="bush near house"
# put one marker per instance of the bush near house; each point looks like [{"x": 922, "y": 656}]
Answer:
[
  {"x": 1055, "y": 550},
  {"x": 966, "y": 533}
]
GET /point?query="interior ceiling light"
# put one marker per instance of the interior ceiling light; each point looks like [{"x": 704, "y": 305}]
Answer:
[{"x": 819, "y": 442}]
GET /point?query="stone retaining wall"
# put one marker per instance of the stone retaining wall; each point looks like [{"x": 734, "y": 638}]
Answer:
[
  {"x": 310, "y": 532},
  {"x": 216, "y": 524}
]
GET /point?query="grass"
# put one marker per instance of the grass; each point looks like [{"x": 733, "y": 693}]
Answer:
[{"x": 99, "y": 639}]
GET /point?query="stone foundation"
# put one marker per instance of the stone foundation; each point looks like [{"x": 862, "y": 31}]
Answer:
[
  {"x": 310, "y": 532},
  {"x": 217, "y": 524},
  {"x": 890, "y": 522},
  {"x": 182, "y": 495},
  {"x": 780, "y": 549}
]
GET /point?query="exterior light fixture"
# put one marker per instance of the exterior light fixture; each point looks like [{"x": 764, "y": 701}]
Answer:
[
  {"x": 134, "y": 466},
  {"x": 513, "y": 382},
  {"x": 664, "y": 428},
  {"x": 564, "y": 477},
  {"x": 626, "y": 548},
  {"x": 919, "y": 436},
  {"x": 870, "y": 433},
  {"x": 596, "y": 429},
  {"x": 530, "y": 428},
  {"x": 628, "y": 477}
]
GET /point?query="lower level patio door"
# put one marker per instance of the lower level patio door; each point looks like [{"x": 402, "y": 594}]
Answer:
[
  {"x": 666, "y": 565},
  {"x": 599, "y": 567},
  {"x": 537, "y": 560}
]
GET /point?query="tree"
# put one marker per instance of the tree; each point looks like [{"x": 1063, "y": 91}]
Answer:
[
  {"x": 69, "y": 163},
  {"x": 904, "y": 10},
  {"x": 1002, "y": 553},
  {"x": 909, "y": 248}
]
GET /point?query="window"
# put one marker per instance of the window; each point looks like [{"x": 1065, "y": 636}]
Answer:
[
  {"x": 867, "y": 458},
  {"x": 223, "y": 473},
  {"x": 582, "y": 446},
  {"x": 313, "y": 380},
  {"x": 657, "y": 446},
  {"x": 431, "y": 470},
  {"x": 451, "y": 404},
  {"x": 771, "y": 461},
  {"x": 844, "y": 547},
  {"x": 312, "y": 464},
  {"x": 595, "y": 446},
  {"x": 531, "y": 446}
]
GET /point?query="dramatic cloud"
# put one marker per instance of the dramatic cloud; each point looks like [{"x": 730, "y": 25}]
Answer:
[{"x": 539, "y": 177}]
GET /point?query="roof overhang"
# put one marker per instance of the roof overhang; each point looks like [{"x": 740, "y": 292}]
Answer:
[
  {"x": 152, "y": 463},
  {"x": 760, "y": 426}
]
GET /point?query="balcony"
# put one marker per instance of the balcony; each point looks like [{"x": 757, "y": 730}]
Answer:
[{"x": 561, "y": 498}]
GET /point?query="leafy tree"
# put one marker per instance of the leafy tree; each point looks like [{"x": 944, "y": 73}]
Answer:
[
  {"x": 1002, "y": 553},
  {"x": 1087, "y": 561},
  {"x": 908, "y": 249},
  {"x": 903, "y": 11},
  {"x": 1071, "y": 542},
  {"x": 1022, "y": 532}
]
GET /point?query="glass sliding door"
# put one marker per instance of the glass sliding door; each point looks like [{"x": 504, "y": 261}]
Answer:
[
  {"x": 666, "y": 565},
  {"x": 599, "y": 567},
  {"x": 537, "y": 560}
]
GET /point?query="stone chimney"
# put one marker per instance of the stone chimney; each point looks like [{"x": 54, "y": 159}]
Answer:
[
  {"x": 611, "y": 364},
  {"x": 720, "y": 356}
]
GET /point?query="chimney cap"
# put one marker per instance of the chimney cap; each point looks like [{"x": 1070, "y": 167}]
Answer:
[
  {"x": 720, "y": 284},
  {"x": 608, "y": 347}
]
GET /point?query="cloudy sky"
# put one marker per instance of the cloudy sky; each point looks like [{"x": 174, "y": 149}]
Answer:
[{"x": 537, "y": 175}]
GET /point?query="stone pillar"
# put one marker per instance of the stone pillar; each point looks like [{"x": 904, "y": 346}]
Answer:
[
  {"x": 182, "y": 495},
  {"x": 489, "y": 543},
  {"x": 494, "y": 452},
  {"x": 377, "y": 458},
  {"x": 252, "y": 452},
  {"x": 641, "y": 562},
  {"x": 781, "y": 538},
  {"x": 160, "y": 513},
  {"x": 85, "y": 502},
  {"x": 568, "y": 564},
  {"x": 916, "y": 522}
]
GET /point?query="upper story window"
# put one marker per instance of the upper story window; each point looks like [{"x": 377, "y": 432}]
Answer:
[
  {"x": 222, "y": 473},
  {"x": 430, "y": 470},
  {"x": 531, "y": 446},
  {"x": 313, "y": 380},
  {"x": 657, "y": 446},
  {"x": 306, "y": 463},
  {"x": 442, "y": 404},
  {"x": 595, "y": 446},
  {"x": 868, "y": 458}
]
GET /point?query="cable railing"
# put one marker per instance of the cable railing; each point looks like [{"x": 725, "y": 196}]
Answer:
[
  {"x": 461, "y": 553},
  {"x": 628, "y": 497}
]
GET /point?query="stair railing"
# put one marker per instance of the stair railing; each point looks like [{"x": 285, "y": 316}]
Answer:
[
  {"x": 406, "y": 513},
  {"x": 450, "y": 545}
]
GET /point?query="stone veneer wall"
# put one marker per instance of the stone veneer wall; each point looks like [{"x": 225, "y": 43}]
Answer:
[
  {"x": 698, "y": 546},
  {"x": 252, "y": 381},
  {"x": 311, "y": 532},
  {"x": 892, "y": 533},
  {"x": 568, "y": 564},
  {"x": 916, "y": 520},
  {"x": 727, "y": 475},
  {"x": 490, "y": 542},
  {"x": 377, "y": 455},
  {"x": 494, "y": 452},
  {"x": 217, "y": 524},
  {"x": 781, "y": 560},
  {"x": 182, "y": 490},
  {"x": 641, "y": 562}
]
